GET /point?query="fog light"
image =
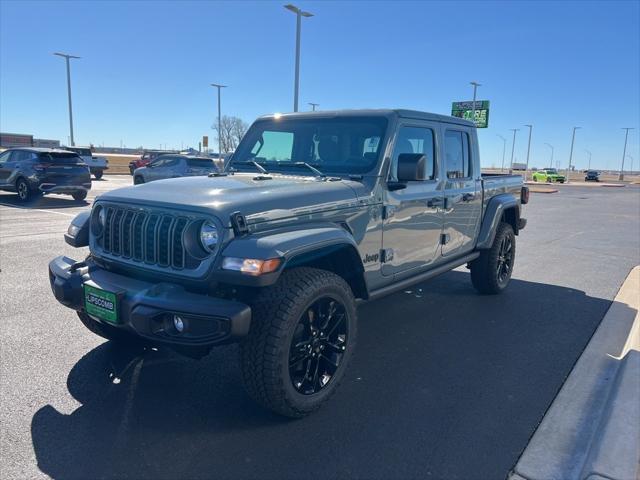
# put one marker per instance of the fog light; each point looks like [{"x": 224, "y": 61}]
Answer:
[{"x": 178, "y": 324}]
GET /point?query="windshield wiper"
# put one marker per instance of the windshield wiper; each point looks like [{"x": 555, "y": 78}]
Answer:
[
  {"x": 259, "y": 167},
  {"x": 315, "y": 171}
]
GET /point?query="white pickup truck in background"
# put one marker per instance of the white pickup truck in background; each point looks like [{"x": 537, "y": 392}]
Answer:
[{"x": 97, "y": 165}]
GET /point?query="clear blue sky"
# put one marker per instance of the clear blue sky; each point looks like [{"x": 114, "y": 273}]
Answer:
[{"x": 146, "y": 67}]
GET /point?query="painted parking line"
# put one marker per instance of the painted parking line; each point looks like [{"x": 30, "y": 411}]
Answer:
[{"x": 37, "y": 209}]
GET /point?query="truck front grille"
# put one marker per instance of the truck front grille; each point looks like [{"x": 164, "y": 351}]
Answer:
[{"x": 146, "y": 237}]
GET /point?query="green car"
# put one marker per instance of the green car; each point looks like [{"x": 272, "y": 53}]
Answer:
[{"x": 549, "y": 175}]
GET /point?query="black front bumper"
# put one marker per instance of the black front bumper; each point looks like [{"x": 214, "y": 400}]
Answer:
[{"x": 147, "y": 309}]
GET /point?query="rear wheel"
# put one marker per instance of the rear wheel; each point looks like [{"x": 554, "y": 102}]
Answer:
[
  {"x": 302, "y": 336},
  {"x": 137, "y": 180},
  {"x": 24, "y": 191},
  {"x": 98, "y": 174},
  {"x": 79, "y": 196},
  {"x": 491, "y": 271},
  {"x": 535, "y": 179},
  {"x": 549, "y": 180}
]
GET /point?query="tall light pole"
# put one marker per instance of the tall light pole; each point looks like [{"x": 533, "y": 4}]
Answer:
[
  {"x": 513, "y": 147},
  {"x": 219, "y": 87},
  {"x": 504, "y": 149},
  {"x": 299, "y": 14},
  {"x": 551, "y": 147},
  {"x": 589, "y": 153},
  {"x": 67, "y": 57},
  {"x": 573, "y": 139},
  {"x": 473, "y": 105},
  {"x": 314, "y": 105},
  {"x": 624, "y": 152},
  {"x": 528, "y": 151}
]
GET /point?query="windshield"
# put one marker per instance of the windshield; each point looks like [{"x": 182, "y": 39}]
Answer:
[{"x": 333, "y": 145}]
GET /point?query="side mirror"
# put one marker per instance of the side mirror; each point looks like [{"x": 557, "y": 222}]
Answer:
[{"x": 411, "y": 167}]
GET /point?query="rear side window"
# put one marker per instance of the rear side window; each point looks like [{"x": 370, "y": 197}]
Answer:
[
  {"x": 61, "y": 158},
  {"x": 199, "y": 162},
  {"x": 457, "y": 158},
  {"x": 22, "y": 156}
]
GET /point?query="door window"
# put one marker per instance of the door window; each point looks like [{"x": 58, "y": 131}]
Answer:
[
  {"x": 414, "y": 140},
  {"x": 4, "y": 156},
  {"x": 456, "y": 149}
]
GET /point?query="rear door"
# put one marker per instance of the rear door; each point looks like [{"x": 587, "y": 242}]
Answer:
[
  {"x": 462, "y": 191},
  {"x": 413, "y": 218},
  {"x": 199, "y": 166}
]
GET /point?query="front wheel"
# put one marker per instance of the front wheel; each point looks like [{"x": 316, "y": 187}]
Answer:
[
  {"x": 98, "y": 174},
  {"x": 302, "y": 336},
  {"x": 138, "y": 180},
  {"x": 491, "y": 271}
]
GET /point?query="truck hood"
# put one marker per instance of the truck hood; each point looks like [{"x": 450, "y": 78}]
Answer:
[{"x": 283, "y": 196}]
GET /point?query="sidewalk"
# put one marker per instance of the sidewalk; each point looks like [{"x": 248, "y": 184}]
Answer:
[{"x": 592, "y": 429}]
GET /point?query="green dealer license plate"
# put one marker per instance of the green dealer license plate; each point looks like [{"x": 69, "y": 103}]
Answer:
[{"x": 101, "y": 304}]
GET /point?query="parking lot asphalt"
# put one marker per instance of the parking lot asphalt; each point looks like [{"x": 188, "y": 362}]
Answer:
[{"x": 445, "y": 383}]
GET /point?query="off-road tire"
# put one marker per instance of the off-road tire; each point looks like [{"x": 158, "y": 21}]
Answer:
[
  {"x": 484, "y": 269},
  {"x": 265, "y": 352},
  {"x": 79, "y": 196},
  {"x": 109, "y": 332}
]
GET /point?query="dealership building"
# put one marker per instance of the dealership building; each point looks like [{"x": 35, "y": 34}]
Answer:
[{"x": 23, "y": 140}]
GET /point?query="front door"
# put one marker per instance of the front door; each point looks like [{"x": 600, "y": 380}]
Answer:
[
  {"x": 462, "y": 191},
  {"x": 413, "y": 215}
]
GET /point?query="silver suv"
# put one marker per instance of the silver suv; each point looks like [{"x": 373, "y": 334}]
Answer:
[{"x": 173, "y": 166}]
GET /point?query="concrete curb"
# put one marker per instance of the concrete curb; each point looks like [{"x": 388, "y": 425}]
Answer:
[{"x": 592, "y": 429}]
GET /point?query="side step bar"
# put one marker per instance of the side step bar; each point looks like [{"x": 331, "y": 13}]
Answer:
[{"x": 421, "y": 277}]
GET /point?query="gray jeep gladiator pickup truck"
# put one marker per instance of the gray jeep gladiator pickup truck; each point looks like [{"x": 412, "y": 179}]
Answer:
[{"x": 315, "y": 212}]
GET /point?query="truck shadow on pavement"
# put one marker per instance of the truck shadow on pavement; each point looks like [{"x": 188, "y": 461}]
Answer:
[{"x": 445, "y": 383}]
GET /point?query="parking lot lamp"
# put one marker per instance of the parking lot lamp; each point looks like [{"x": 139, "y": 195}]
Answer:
[
  {"x": 504, "y": 149},
  {"x": 551, "y": 147},
  {"x": 513, "y": 147},
  {"x": 589, "y": 153},
  {"x": 473, "y": 104},
  {"x": 313, "y": 106},
  {"x": 624, "y": 152},
  {"x": 528, "y": 151},
  {"x": 299, "y": 14},
  {"x": 573, "y": 139},
  {"x": 67, "y": 57},
  {"x": 219, "y": 87}
]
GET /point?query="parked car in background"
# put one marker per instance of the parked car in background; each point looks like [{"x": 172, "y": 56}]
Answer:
[
  {"x": 592, "y": 176},
  {"x": 97, "y": 165},
  {"x": 34, "y": 171},
  {"x": 550, "y": 175},
  {"x": 147, "y": 157},
  {"x": 173, "y": 166}
]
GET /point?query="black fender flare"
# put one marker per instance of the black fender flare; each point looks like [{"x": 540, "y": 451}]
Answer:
[{"x": 495, "y": 209}]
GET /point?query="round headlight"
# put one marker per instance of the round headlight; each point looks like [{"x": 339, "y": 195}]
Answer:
[
  {"x": 209, "y": 236},
  {"x": 98, "y": 221}
]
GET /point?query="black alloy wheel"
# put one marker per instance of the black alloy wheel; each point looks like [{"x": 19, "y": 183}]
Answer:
[{"x": 318, "y": 345}]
